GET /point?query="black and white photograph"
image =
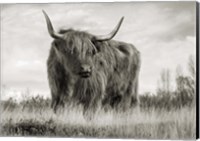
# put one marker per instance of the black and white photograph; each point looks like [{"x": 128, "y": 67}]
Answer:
[{"x": 122, "y": 70}]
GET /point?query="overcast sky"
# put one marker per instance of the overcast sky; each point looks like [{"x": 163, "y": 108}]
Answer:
[{"x": 164, "y": 33}]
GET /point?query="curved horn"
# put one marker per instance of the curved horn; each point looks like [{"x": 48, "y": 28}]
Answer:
[
  {"x": 110, "y": 35},
  {"x": 50, "y": 28}
]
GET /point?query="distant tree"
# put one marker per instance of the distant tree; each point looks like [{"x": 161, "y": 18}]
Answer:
[
  {"x": 186, "y": 84},
  {"x": 179, "y": 79},
  {"x": 192, "y": 78},
  {"x": 191, "y": 66},
  {"x": 164, "y": 86}
]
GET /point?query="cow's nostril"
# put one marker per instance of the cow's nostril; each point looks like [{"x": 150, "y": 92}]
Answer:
[
  {"x": 82, "y": 68},
  {"x": 89, "y": 69}
]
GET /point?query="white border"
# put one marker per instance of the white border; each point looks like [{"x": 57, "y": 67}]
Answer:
[
  {"x": 77, "y": 1},
  {"x": 74, "y": 1}
]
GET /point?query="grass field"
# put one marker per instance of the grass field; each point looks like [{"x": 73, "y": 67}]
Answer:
[{"x": 35, "y": 118}]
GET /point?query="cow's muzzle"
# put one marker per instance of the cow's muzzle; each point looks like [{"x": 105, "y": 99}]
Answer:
[
  {"x": 85, "y": 74},
  {"x": 85, "y": 71}
]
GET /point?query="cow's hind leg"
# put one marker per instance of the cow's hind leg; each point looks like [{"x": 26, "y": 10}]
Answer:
[
  {"x": 126, "y": 100},
  {"x": 134, "y": 99}
]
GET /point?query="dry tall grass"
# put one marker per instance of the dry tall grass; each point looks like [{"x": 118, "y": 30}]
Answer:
[{"x": 33, "y": 119}]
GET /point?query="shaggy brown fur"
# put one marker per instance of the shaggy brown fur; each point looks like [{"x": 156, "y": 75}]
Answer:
[{"x": 115, "y": 69}]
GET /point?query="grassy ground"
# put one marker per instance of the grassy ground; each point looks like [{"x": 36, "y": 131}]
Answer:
[{"x": 28, "y": 119}]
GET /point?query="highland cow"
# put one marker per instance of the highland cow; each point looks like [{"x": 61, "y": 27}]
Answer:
[{"x": 94, "y": 71}]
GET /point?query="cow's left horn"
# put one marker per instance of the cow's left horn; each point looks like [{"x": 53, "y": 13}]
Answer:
[
  {"x": 112, "y": 34},
  {"x": 50, "y": 28}
]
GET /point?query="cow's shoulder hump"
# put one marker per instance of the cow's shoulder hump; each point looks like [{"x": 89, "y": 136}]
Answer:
[{"x": 125, "y": 48}]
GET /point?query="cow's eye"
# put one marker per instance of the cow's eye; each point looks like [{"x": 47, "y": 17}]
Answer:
[
  {"x": 95, "y": 45},
  {"x": 101, "y": 63}
]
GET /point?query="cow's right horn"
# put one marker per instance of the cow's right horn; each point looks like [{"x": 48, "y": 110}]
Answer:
[
  {"x": 112, "y": 34},
  {"x": 50, "y": 28}
]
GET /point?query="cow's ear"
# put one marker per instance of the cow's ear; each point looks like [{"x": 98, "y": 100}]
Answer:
[{"x": 57, "y": 52}]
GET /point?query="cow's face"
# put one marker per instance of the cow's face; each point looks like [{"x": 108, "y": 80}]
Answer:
[{"x": 76, "y": 53}]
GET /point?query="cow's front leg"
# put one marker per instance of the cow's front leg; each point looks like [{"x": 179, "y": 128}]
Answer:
[{"x": 90, "y": 110}]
